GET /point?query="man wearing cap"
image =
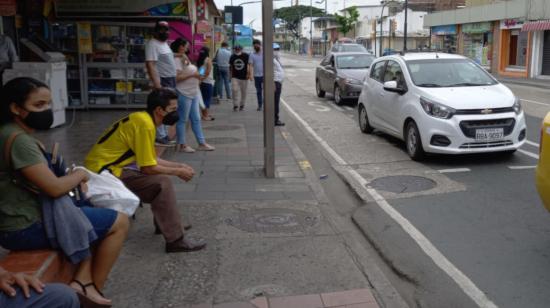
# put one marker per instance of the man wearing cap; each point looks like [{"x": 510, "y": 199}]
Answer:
[
  {"x": 238, "y": 64},
  {"x": 161, "y": 67},
  {"x": 256, "y": 63},
  {"x": 279, "y": 76}
]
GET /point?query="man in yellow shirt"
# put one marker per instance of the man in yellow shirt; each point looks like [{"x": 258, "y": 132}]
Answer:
[{"x": 127, "y": 150}]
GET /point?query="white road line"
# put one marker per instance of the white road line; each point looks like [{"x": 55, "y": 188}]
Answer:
[
  {"x": 521, "y": 167},
  {"x": 306, "y": 69},
  {"x": 439, "y": 259},
  {"x": 536, "y": 145},
  {"x": 456, "y": 170},
  {"x": 532, "y": 155},
  {"x": 534, "y": 102},
  {"x": 338, "y": 108},
  {"x": 348, "y": 108}
]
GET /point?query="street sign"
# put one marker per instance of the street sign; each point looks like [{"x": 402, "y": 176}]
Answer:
[{"x": 233, "y": 15}]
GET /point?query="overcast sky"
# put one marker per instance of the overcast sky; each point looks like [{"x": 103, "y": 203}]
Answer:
[{"x": 253, "y": 12}]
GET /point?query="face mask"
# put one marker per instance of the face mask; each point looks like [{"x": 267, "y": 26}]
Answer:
[
  {"x": 171, "y": 118},
  {"x": 41, "y": 120},
  {"x": 256, "y": 48},
  {"x": 162, "y": 36}
]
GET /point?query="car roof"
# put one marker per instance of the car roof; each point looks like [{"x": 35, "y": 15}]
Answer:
[
  {"x": 349, "y": 53},
  {"x": 423, "y": 56}
]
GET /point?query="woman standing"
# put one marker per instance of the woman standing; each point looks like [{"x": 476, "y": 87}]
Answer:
[
  {"x": 207, "y": 80},
  {"x": 25, "y": 107},
  {"x": 187, "y": 86}
]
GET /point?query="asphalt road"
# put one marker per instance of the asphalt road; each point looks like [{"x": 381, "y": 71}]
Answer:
[{"x": 487, "y": 236}]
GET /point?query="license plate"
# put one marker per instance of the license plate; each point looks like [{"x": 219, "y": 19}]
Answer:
[{"x": 489, "y": 134}]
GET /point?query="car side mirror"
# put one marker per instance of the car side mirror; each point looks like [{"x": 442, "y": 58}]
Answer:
[{"x": 391, "y": 86}]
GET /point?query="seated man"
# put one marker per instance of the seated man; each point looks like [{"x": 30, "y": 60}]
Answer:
[
  {"x": 19, "y": 290},
  {"x": 127, "y": 150}
]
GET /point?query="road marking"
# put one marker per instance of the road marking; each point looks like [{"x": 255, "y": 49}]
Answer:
[
  {"x": 455, "y": 170},
  {"x": 534, "y": 102},
  {"x": 306, "y": 69},
  {"x": 318, "y": 106},
  {"x": 439, "y": 259},
  {"x": 348, "y": 108},
  {"x": 304, "y": 165},
  {"x": 536, "y": 145},
  {"x": 339, "y": 108},
  {"x": 532, "y": 155},
  {"x": 521, "y": 167}
]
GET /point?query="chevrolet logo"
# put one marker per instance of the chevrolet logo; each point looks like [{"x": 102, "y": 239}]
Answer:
[{"x": 487, "y": 111}]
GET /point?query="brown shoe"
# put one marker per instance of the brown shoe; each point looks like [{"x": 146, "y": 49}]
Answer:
[{"x": 184, "y": 244}]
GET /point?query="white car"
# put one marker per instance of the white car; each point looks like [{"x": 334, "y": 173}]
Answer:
[{"x": 440, "y": 103}]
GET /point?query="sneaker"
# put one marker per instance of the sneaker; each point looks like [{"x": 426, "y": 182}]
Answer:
[
  {"x": 279, "y": 123},
  {"x": 205, "y": 147},
  {"x": 187, "y": 149},
  {"x": 184, "y": 244},
  {"x": 241, "y": 108},
  {"x": 164, "y": 142},
  {"x": 235, "y": 108}
]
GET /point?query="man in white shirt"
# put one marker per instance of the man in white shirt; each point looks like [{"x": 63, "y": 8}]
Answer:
[{"x": 279, "y": 76}]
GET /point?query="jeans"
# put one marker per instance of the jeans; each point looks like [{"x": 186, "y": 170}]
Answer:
[
  {"x": 278, "y": 89},
  {"x": 207, "y": 90},
  {"x": 188, "y": 108},
  {"x": 55, "y": 295},
  {"x": 224, "y": 82},
  {"x": 258, "y": 83}
]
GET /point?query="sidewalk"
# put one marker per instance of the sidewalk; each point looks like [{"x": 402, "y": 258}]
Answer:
[
  {"x": 531, "y": 82},
  {"x": 269, "y": 242}
]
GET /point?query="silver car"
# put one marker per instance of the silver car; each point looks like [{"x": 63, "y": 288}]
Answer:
[{"x": 342, "y": 74}]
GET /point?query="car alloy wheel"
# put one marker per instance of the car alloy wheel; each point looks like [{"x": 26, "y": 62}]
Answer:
[
  {"x": 364, "y": 124},
  {"x": 337, "y": 95},
  {"x": 320, "y": 93},
  {"x": 413, "y": 142}
]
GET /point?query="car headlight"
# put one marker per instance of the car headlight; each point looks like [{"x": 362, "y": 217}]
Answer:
[
  {"x": 353, "y": 81},
  {"x": 517, "y": 106},
  {"x": 436, "y": 110}
]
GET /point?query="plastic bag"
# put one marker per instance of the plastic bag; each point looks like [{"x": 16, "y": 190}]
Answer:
[{"x": 107, "y": 191}]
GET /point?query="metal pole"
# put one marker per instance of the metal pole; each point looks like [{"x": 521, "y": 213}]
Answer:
[
  {"x": 325, "y": 32},
  {"x": 311, "y": 27},
  {"x": 389, "y": 30},
  {"x": 375, "y": 37},
  {"x": 405, "y": 30},
  {"x": 381, "y": 30},
  {"x": 269, "y": 89}
]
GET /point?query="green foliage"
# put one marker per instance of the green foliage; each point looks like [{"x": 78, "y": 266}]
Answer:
[
  {"x": 293, "y": 15},
  {"x": 347, "y": 21}
]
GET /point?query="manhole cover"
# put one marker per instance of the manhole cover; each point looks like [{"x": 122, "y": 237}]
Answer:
[
  {"x": 223, "y": 127},
  {"x": 403, "y": 184},
  {"x": 223, "y": 140},
  {"x": 273, "y": 221}
]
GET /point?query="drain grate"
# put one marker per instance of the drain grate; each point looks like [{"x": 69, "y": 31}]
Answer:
[
  {"x": 222, "y": 127},
  {"x": 223, "y": 140},
  {"x": 401, "y": 184},
  {"x": 273, "y": 221}
]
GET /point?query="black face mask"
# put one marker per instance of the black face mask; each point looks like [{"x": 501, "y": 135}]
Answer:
[
  {"x": 162, "y": 36},
  {"x": 256, "y": 48},
  {"x": 41, "y": 120},
  {"x": 171, "y": 118}
]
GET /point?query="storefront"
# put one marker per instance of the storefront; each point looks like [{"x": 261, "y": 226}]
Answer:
[
  {"x": 444, "y": 38},
  {"x": 514, "y": 49},
  {"x": 477, "y": 41},
  {"x": 539, "y": 32}
]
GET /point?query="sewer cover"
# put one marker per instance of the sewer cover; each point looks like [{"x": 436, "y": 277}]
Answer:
[
  {"x": 273, "y": 221},
  {"x": 223, "y": 140},
  {"x": 222, "y": 127},
  {"x": 401, "y": 184}
]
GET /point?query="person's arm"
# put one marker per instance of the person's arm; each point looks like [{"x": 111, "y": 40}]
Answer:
[
  {"x": 42, "y": 177},
  {"x": 208, "y": 69},
  {"x": 24, "y": 281},
  {"x": 251, "y": 68},
  {"x": 180, "y": 76},
  {"x": 183, "y": 172},
  {"x": 153, "y": 74},
  {"x": 12, "y": 53}
]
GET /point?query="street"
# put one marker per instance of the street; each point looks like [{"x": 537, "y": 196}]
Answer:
[{"x": 464, "y": 231}]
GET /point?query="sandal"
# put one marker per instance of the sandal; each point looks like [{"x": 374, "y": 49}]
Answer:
[{"x": 85, "y": 301}]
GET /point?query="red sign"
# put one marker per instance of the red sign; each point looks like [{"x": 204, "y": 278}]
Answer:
[
  {"x": 203, "y": 27},
  {"x": 201, "y": 9},
  {"x": 8, "y": 7}
]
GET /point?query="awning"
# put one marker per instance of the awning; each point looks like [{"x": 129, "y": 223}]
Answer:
[{"x": 540, "y": 25}]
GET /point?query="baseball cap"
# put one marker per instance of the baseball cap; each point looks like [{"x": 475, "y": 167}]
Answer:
[
  {"x": 238, "y": 47},
  {"x": 161, "y": 24},
  {"x": 276, "y": 46}
]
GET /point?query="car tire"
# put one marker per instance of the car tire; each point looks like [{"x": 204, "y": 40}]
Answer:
[
  {"x": 413, "y": 142},
  {"x": 320, "y": 93},
  {"x": 338, "y": 95},
  {"x": 364, "y": 124}
]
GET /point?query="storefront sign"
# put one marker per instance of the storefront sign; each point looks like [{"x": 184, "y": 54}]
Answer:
[
  {"x": 203, "y": 27},
  {"x": 511, "y": 24},
  {"x": 8, "y": 7},
  {"x": 113, "y": 6},
  {"x": 477, "y": 27},
  {"x": 84, "y": 37},
  {"x": 444, "y": 30}
]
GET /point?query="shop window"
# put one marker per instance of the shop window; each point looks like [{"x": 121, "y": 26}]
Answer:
[
  {"x": 518, "y": 48},
  {"x": 478, "y": 47}
]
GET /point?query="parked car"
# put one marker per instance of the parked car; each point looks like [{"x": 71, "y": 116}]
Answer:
[
  {"x": 543, "y": 167},
  {"x": 342, "y": 74},
  {"x": 440, "y": 103},
  {"x": 348, "y": 47}
]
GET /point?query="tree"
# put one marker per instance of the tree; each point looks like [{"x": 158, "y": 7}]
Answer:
[
  {"x": 346, "y": 23},
  {"x": 293, "y": 15}
]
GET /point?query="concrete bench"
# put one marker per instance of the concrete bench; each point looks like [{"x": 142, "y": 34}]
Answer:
[{"x": 46, "y": 265}]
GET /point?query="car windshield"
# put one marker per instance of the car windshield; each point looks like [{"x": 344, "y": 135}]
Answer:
[
  {"x": 352, "y": 48},
  {"x": 354, "y": 61},
  {"x": 438, "y": 73}
]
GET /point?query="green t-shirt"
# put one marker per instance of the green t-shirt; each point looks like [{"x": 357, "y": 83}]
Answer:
[{"x": 19, "y": 208}]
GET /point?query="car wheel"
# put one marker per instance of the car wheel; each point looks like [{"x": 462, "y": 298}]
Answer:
[
  {"x": 338, "y": 95},
  {"x": 414, "y": 142},
  {"x": 364, "y": 124},
  {"x": 320, "y": 93}
]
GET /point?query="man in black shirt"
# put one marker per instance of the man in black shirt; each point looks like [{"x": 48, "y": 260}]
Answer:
[{"x": 238, "y": 64}]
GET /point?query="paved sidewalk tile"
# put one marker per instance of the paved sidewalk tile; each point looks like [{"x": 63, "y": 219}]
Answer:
[
  {"x": 300, "y": 301},
  {"x": 347, "y": 297}
]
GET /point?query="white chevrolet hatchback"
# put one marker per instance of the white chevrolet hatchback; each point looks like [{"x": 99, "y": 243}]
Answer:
[{"x": 440, "y": 103}]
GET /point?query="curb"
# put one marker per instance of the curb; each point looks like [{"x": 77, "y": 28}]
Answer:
[{"x": 525, "y": 83}]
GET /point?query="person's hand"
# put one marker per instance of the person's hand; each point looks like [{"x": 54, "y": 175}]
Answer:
[
  {"x": 197, "y": 75},
  {"x": 84, "y": 174},
  {"x": 186, "y": 173},
  {"x": 25, "y": 282}
]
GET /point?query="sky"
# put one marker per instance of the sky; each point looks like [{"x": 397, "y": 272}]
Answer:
[{"x": 253, "y": 12}]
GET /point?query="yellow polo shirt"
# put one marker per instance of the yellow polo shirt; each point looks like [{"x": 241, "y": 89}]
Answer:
[{"x": 129, "y": 140}]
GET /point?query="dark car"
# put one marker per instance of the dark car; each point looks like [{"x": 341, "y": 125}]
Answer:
[{"x": 342, "y": 73}]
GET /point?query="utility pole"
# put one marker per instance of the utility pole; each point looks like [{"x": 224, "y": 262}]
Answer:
[
  {"x": 311, "y": 27},
  {"x": 269, "y": 89},
  {"x": 232, "y": 30},
  {"x": 405, "y": 26},
  {"x": 381, "y": 30}
]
